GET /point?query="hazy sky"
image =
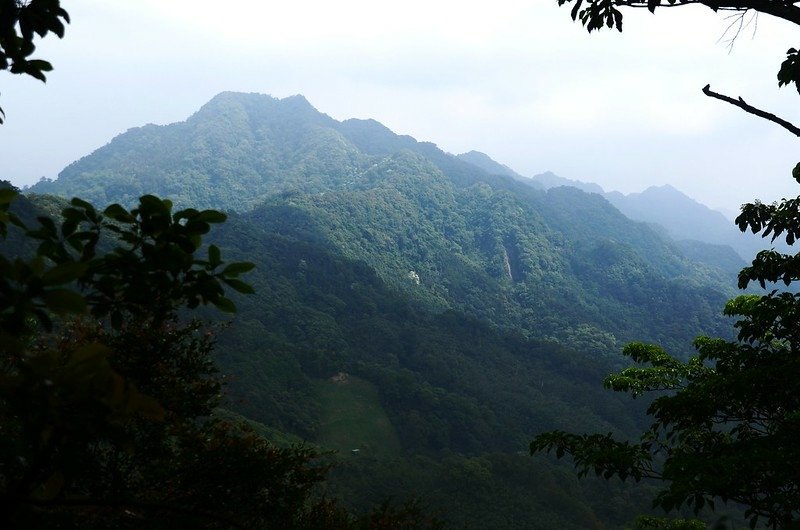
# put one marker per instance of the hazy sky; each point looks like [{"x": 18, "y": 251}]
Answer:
[{"x": 516, "y": 79}]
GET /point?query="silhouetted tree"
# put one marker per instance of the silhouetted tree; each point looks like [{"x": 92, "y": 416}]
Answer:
[{"x": 726, "y": 422}]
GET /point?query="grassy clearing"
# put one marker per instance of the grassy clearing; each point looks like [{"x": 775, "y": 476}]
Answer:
[{"x": 353, "y": 418}]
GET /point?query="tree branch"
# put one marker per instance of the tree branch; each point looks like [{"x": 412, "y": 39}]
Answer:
[
  {"x": 784, "y": 9},
  {"x": 752, "y": 110}
]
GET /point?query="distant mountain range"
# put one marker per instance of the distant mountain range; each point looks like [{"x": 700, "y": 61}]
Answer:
[{"x": 683, "y": 218}]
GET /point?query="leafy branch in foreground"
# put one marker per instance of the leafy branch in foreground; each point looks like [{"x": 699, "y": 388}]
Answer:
[
  {"x": 727, "y": 427},
  {"x": 20, "y": 22},
  {"x": 596, "y": 14},
  {"x": 107, "y": 397},
  {"x": 153, "y": 270},
  {"x": 742, "y": 104},
  {"x": 727, "y": 421}
]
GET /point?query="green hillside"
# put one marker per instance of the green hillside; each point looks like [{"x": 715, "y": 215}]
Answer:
[
  {"x": 555, "y": 265},
  {"x": 453, "y": 389},
  {"x": 235, "y": 150},
  {"x": 468, "y": 310}
]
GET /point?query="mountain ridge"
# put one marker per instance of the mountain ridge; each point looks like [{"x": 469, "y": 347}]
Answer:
[
  {"x": 240, "y": 151},
  {"x": 682, "y": 217},
  {"x": 471, "y": 308}
]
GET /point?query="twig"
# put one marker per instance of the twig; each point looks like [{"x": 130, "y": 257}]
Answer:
[{"x": 752, "y": 110}]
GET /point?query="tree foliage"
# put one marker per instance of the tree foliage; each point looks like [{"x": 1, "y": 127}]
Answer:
[
  {"x": 106, "y": 395},
  {"x": 726, "y": 422},
  {"x": 20, "y": 22}
]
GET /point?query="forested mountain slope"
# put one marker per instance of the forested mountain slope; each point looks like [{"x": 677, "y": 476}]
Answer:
[
  {"x": 439, "y": 406},
  {"x": 559, "y": 264},
  {"x": 431, "y": 313},
  {"x": 563, "y": 265}
]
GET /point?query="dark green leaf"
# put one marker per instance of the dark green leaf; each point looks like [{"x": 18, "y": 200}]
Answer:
[
  {"x": 62, "y": 301},
  {"x": 63, "y": 273},
  {"x": 224, "y": 304},
  {"x": 211, "y": 216},
  {"x": 240, "y": 286},
  {"x": 237, "y": 268},
  {"x": 118, "y": 213},
  {"x": 7, "y": 195},
  {"x": 214, "y": 255}
]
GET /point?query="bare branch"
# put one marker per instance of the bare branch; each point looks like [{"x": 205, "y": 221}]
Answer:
[
  {"x": 753, "y": 110},
  {"x": 739, "y": 23}
]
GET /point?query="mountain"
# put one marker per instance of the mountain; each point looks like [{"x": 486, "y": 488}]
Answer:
[
  {"x": 420, "y": 307},
  {"x": 486, "y": 163},
  {"x": 237, "y": 150},
  {"x": 682, "y": 217},
  {"x": 549, "y": 180},
  {"x": 482, "y": 243},
  {"x": 230, "y": 154},
  {"x": 685, "y": 218}
]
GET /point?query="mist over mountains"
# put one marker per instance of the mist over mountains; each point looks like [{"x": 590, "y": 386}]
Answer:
[
  {"x": 684, "y": 219},
  {"x": 433, "y": 311},
  {"x": 223, "y": 146}
]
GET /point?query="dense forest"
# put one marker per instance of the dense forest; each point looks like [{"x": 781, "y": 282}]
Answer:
[
  {"x": 263, "y": 317},
  {"x": 420, "y": 315},
  {"x": 483, "y": 244}
]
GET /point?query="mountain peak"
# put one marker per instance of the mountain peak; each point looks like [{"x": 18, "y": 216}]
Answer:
[
  {"x": 228, "y": 97},
  {"x": 254, "y": 104},
  {"x": 548, "y": 180},
  {"x": 368, "y": 123},
  {"x": 476, "y": 155},
  {"x": 373, "y": 137},
  {"x": 664, "y": 189},
  {"x": 297, "y": 101},
  {"x": 486, "y": 163}
]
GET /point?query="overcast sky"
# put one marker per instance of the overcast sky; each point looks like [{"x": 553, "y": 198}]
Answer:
[{"x": 516, "y": 79}]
